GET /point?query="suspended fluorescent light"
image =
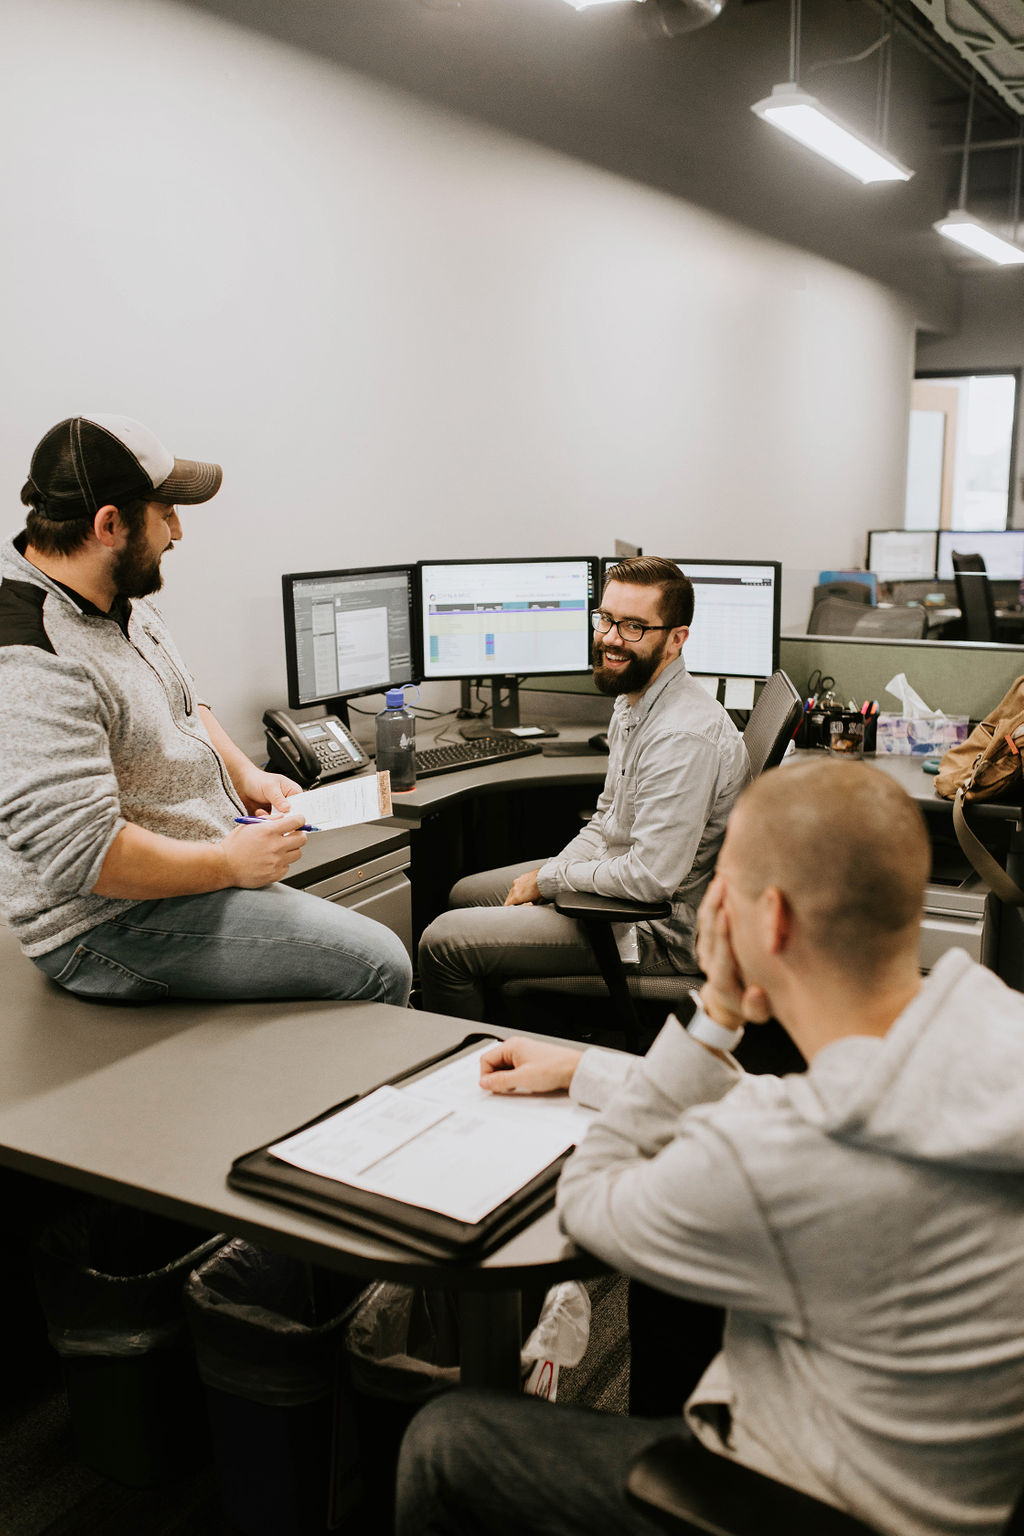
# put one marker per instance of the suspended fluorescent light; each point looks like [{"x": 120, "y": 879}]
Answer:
[
  {"x": 806, "y": 120},
  {"x": 581, "y": 5},
  {"x": 958, "y": 225}
]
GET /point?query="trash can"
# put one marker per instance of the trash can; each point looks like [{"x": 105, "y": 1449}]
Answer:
[
  {"x": 109, "y": 1280},
  {"x": 401, "y": 1348},
  {"x": 268, "y": 1333}
]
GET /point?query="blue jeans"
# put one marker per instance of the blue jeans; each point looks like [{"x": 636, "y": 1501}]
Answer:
[
  {"x": 490, "y": 1464},
  {"x": 234, "y": 945}
]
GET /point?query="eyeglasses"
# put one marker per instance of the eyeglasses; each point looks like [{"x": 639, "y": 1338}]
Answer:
[{"x": 629, "y": 629}]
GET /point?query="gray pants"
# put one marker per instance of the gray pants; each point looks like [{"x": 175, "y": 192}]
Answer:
[
  {"x": 486, "y": 1464},
  {"x": 482, "y": 943}
]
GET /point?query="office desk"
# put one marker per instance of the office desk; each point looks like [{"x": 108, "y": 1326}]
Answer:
[{"x": 150, "y": 1106}]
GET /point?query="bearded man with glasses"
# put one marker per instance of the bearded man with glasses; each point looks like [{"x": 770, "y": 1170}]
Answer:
[{"x": 676, "y": 766}]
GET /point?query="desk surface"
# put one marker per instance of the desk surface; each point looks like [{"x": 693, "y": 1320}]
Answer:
[{"x": 150, "y": 1106}]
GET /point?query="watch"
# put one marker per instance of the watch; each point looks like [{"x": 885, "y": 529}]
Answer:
[{"x": 708, "y": 1032}]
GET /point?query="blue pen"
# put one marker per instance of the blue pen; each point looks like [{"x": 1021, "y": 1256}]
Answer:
[{"x": 256, "y": 821}]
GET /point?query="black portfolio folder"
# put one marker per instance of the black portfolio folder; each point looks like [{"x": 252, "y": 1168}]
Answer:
[{"x": 411, "y": 1226}]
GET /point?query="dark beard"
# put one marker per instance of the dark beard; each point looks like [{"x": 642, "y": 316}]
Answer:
[
  {"x": 633, "y": 677},
  {"x": 136, "y": 573}
]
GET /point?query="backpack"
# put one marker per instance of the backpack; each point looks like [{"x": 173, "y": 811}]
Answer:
[{"x": 985, "y": 766}]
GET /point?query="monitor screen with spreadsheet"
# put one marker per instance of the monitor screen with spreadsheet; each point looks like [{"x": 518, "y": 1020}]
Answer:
[
  {"x": 1001, "y": 549},
  {"x": 902, "y": 554},
  {"x": 735, "y": 629},
  {"x": 490, "y": 618},
  {"x": 347, "y": 632}
]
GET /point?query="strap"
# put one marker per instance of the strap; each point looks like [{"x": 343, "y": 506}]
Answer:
[{"x": 990, "y": 870}]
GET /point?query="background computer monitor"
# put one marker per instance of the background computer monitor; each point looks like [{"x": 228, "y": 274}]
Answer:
[
  {"x": 902, "y": 554},
  {"x": 1001, "y": 549},
  {"x": 735, "y": 629},
  {"x": 505, "y": 619},
  {"x": 347, "y": 633}
]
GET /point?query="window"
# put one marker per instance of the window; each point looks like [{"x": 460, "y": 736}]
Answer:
[{"x": 960, "y": 461}]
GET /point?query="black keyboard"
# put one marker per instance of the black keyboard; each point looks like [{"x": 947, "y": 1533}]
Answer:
[{"x": 472, "y": 754}]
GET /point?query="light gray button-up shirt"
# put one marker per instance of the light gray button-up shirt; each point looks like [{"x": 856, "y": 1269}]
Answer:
[{"x": 675, "y": 768}]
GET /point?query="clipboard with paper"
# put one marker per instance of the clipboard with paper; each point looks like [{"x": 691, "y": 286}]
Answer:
[{"x": 428, "y": 1160}]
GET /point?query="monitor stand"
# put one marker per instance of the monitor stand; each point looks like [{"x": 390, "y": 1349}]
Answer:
[{"x": 504, "y": 714}]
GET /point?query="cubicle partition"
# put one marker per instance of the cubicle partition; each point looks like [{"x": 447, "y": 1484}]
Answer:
[{"x": 958, "y": 677}]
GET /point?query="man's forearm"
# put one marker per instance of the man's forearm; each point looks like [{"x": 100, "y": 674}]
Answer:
[{"x": 145, "y": 866}]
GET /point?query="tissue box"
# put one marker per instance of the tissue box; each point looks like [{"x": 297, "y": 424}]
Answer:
[{"x": 929, "y": 736}]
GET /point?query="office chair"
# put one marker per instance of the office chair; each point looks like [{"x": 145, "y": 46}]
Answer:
[
  {"x": 834, "y": 616},
  {"x": 855, "y": 591},
  {"x": 690, "y": 1491},
  {"x": 974, "y": 599},
  {"x": 892, "y": 624},
  {"x": 767, "y": 734},
  {"x": 838, "y": 616}
]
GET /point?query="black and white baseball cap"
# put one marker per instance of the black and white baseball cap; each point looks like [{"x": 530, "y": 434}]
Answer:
[{"x": 88, "y": 462}]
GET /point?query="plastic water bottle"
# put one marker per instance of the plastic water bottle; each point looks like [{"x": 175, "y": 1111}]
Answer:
[{"x": 396, "y": 740}]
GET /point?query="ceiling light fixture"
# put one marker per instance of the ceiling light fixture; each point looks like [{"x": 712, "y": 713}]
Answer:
[
  {"x": 582, "y": 5},
  {"x": 803, "y": 118},
  {"x": 969, "y": 232}
]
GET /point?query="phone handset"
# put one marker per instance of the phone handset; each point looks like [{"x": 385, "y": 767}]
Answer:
[{"x": 287, "y": 749}]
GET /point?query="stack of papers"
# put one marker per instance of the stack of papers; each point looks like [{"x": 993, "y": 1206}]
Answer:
[{"x": 442, "y": 1142}]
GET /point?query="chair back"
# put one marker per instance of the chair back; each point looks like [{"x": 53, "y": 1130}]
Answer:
[
  {"x": 855, "y": 591},
  {"x": 892, "y": 623},
  {"x": 834, "y": 616},
  {"x": 971, "y": 562},
  {"x": 974, "y": 598},
  {"x": 773, "y": 720}
]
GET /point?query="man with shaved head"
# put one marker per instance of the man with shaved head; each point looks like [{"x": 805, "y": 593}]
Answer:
[{"x": 861, "y": 1224}]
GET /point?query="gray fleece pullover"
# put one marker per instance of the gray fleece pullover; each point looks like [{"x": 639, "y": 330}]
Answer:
[
  {"x": 863, "y": 1225},
  {"x": 99, "y": 728}
]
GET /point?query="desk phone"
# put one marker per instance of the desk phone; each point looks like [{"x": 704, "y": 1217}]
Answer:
[{"x": 313, "y": 750}]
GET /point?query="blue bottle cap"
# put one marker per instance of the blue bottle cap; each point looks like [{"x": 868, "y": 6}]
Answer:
[{"x": 394, "y": 698}]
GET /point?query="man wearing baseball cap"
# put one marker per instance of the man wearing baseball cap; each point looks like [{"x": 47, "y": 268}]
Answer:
[{"x": 122, "y": 871}]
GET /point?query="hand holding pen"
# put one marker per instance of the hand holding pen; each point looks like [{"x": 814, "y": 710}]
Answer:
[{"x": 261, "y": 849}]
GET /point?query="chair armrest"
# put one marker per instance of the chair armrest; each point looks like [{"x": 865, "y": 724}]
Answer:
[
  {"x": 688, "y": 1489},
  {"x": 609, "y": 909}
]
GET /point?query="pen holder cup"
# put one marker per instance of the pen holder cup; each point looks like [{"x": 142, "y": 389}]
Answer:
[{"x": 846, "y": 733}]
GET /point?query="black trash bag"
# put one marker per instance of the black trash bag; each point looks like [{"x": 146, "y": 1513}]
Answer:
[
  {"x": 268, "y": 1332},
  {"x": 110, "y": 1278},
  {"x": 267, "y": 1327},
  {"x": 403, "y": 1343},
  {"x": 109, "y": 1281}
]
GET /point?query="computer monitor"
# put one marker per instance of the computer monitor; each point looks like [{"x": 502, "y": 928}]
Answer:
[
  {"x": 347, "y": 633},
  {"x": 735, "y": 629},
  {"x": 1001, "y": 549},
  {"x": 902, "y": 554},
  {"x": 505, "y": 619}
]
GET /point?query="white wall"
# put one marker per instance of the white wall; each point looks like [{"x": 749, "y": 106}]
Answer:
[{"x": 406, "y": 335}]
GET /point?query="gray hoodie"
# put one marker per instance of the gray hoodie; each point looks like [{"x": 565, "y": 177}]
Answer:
[
  {"x": 864, "y": 1226},
  {"x": 99, "y": 728}
]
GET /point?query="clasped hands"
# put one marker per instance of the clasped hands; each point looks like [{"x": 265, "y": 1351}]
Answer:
[{"x": 537, "y": 1066}]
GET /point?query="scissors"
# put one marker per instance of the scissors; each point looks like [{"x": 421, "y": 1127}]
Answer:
[{"x": 819, "y": 683}]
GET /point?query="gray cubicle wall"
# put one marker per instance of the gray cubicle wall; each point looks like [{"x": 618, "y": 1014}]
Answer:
[{"x": 958, "y": 677}]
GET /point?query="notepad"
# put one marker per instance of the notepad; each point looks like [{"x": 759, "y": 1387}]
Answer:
[{"x": 344, "y": 804}]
